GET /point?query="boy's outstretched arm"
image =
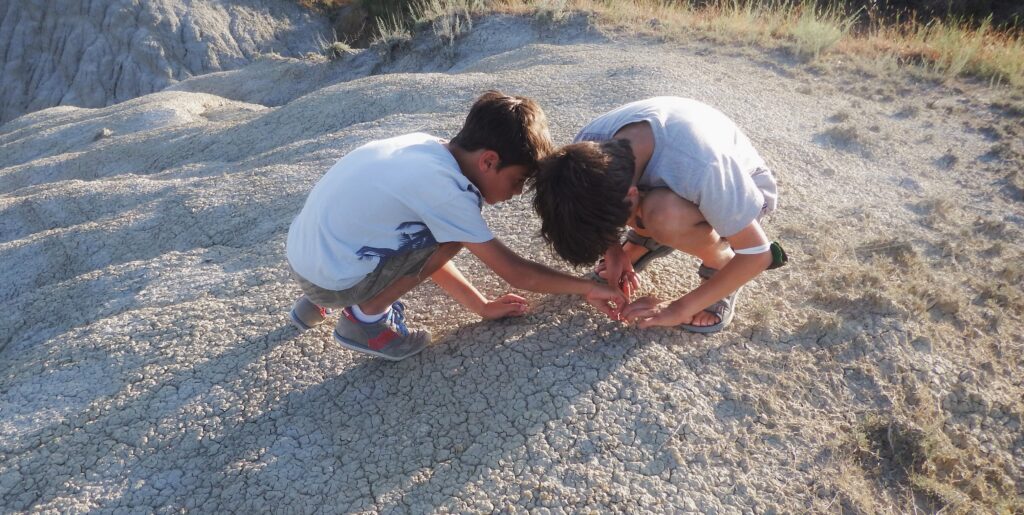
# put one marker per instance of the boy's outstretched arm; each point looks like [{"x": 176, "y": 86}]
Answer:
[
  {"x": 527, "y": 275},
  {"x": 740, "y": 270},
  {"x": 451, "y": 280}
]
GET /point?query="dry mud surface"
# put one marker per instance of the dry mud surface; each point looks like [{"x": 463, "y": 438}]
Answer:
[{"x": 147, "y": 363}]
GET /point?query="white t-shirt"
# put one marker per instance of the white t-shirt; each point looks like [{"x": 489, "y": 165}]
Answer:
[
  {"x": 382, "y": 199},
  {"x": 701, "y": 155}
]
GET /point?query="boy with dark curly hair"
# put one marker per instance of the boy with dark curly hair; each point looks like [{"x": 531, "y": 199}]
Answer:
[
  {"x": 393, "y": 212},
  {"x": 682, "y": 176}
]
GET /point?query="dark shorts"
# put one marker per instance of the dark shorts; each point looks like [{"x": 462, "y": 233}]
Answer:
[{"x": 410, "y": 263}]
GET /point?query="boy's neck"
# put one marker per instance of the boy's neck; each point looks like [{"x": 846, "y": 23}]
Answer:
[{"x": 467, "y": 162}]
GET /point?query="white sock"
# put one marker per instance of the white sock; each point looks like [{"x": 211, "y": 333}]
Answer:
[{"x": 367, "y": 318}]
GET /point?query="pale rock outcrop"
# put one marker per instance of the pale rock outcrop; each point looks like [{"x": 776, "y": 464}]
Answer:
[{"x": 93, "y": 53}]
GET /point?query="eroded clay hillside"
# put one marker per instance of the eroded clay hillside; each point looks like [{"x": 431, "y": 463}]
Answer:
[{"x": 93, "y": 53}]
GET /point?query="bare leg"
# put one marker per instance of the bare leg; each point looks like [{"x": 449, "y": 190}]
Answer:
[
  {"x": 383, "y": 300},
  {"x": 678, "y": 223}
]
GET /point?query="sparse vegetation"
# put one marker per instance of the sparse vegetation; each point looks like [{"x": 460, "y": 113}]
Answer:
[
  {"x": 897, "y": 278},
  {"x": 908, "y": 112},
  {"x": 841, "y": 116},
  {"x": 338, "y": 49},
  {"x": 448, "y": 19},
  {"x": 934, "y": 48},
  {"x": 935, "y": 211},
  {"x": 817, "y": 31},
  {"x": 909, "y": 452},
  {"x": 948, "y": 160},
  {"x": 842, "y": 136},
  {"x": 392, "y": 33},
  {"x": 551, "y": 11}
]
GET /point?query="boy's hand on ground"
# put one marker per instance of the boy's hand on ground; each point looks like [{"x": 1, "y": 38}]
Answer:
[
  {"x": 651, "y": 312},
  {"x": 606, "y": 299},
  {"x": 508, "y": 305}
]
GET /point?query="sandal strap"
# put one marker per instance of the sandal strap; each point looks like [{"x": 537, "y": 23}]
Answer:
[
  {"x": 644, "y": 241},
  {"x": 723, "y": 309},
  {"x": 719, "y": 308},
  {"x": 706, "y": 272}
]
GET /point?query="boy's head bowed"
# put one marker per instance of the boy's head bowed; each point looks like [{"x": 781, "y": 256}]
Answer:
[
  {"x": 581, "y": 198},
  {"x": 513, "y": 126}
]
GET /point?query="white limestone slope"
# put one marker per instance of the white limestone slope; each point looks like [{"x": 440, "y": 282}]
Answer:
[{"x": 93, "y": 53}]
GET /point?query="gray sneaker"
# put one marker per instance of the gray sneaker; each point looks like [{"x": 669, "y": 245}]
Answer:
[
  {"x": 387, "y": 338},
  {"x": 306, "y": 315}
]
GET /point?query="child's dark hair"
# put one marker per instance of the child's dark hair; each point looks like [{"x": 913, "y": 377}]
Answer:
[
  {"x": 581, "y": 198},
  {"x": 515, "y": 127}
]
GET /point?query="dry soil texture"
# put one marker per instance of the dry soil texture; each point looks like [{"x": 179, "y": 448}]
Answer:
[{"x": 147, "y": 362}]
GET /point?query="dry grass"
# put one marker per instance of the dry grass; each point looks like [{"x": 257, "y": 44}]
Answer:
[
  {"x": 919, "y": 454},
  {"x": 449, "y": 19},
  {"x": 935, "y": 49},
  {"x": 843, "y": 136},
  {"x": 398, "y": 20},
  {"x": 392, "y": 32},
  {"x": 946, "y": 50},
  {"x": 817, "y": 31},
  {"x": 908, "y": 455},
  {"x": 942, "y": 49},
  {"x": 922, "y": 280},
  {"x": 885, "y": 287}
]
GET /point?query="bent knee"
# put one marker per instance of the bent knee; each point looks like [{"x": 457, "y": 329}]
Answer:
[{"x": 666, "y": 212}]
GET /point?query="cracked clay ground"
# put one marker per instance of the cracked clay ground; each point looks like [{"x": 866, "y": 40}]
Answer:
[{"x": 147, "y": 363}]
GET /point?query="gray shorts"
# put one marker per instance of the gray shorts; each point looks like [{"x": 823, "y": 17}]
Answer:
[
  {"x": 765, "y": 181},
  {"x": 409, "y": 263}
]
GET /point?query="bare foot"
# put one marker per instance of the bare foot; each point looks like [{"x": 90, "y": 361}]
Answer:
[{"x": 704, "y": 319}]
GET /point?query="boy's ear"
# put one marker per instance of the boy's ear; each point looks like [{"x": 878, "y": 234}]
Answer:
[
  {"x": 633, "y": 196},
  {"x": 489, "y": 160}
]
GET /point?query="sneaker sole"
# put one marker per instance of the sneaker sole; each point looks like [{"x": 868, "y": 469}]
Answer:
[
  {"x": 352, "y": 346},
  {"x": 298, "y": 323}
]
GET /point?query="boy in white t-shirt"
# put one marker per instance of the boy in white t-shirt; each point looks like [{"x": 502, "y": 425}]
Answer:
[
  {"x": 682, "y": 176},
  {"x": 394, "y": 212}
]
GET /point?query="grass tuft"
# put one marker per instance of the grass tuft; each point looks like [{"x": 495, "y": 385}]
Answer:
[
  {"x": 550, "y": 12},
  {"x": 392, "y": 32},
  {"x": 449, "y": 19},
  {"x": 337, "y": 50},
  {"x": 843, "y": 136},
  {"x": 818, "y": 30}
]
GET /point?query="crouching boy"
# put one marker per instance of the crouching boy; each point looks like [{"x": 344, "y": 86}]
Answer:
[
  {"x": 394, "y": 212},
  {"x": 681, "y": 176}
]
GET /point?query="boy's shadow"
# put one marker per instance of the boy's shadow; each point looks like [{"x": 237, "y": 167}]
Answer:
[
  {"x": 469, "y": 406},
  {"x": 484, "y": 401}
]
